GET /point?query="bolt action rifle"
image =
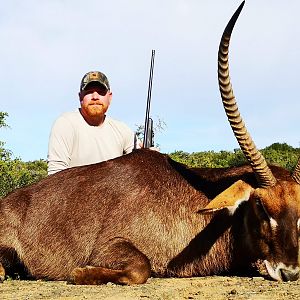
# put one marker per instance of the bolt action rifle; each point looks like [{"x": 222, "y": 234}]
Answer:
[{"x": 148, "y": 127}]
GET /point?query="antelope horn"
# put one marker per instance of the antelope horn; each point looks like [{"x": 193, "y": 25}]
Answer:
[
  {"x": 255, "y": 158},
  {"x": 296, "y": 173}
]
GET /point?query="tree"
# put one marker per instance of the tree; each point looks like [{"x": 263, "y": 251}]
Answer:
[
  {"x": 15, "y": 173},
  {"x": 159, "y": 126},
  {"x": 3, "y": 115},
  {"x": 281, "y": 154},
  {"x": 4, "y": 153}
]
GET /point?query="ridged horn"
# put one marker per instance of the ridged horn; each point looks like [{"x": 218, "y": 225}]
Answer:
[
  {"x": 296, "y": 173},
  {"x": 255, "y": 158}
]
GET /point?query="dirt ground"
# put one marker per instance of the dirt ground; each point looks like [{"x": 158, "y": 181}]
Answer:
[{"x": 212, "y": 288}]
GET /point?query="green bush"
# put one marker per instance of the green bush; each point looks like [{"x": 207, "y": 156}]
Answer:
[
  {"x": 278, "y": 154},
  {"x": 16, "y": 173}
]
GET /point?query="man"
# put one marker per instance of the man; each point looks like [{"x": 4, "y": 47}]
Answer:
[{"x": 88, "y": 135}]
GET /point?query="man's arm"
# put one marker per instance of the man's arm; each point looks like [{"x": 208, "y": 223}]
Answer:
[
  {"x": 131, "y": 141},
  {"x": 60, "y": 146}
]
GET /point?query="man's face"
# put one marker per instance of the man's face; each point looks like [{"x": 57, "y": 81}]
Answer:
[{"x": 95, "y": 100}]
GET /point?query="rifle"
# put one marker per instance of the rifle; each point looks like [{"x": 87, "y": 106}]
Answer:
[{"x": 148, "y": 128}]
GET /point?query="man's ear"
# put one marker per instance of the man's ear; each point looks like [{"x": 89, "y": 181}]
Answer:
[{"x": 231, "y": 198}]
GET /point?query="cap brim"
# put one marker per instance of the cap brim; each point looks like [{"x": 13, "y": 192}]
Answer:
[{"x": 94, "y": 81}]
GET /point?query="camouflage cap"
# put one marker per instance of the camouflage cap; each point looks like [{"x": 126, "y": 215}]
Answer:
[{"x": 94, "y": 76}]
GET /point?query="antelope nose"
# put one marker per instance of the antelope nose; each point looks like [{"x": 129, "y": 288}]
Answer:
[{"x": 289, "y": 275}]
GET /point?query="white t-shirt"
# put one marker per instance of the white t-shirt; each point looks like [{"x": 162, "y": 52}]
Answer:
[{"x": 73, "y": 142}]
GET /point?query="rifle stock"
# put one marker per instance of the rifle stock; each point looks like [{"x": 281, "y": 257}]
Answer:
[{"x": 149, "y": 141}]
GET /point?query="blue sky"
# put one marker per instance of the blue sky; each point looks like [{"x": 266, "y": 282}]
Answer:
[{"x": 47, "y": 46}]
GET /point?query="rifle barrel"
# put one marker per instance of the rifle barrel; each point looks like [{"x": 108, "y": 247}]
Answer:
[{"x": 147, "y": 139}]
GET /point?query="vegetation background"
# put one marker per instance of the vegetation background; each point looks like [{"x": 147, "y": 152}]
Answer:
[{"x": 15, "y": 173}]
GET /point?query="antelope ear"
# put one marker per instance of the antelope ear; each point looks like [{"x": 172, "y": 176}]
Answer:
[{"x": 231, "y": 198}]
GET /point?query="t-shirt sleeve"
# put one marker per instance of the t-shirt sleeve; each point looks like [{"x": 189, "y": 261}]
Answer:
[
  {"x": 60, "y": 145},
  {"x": 129, "y": 140}
]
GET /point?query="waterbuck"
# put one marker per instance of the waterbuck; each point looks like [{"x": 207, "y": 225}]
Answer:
[{"x": 144, "y": 214}]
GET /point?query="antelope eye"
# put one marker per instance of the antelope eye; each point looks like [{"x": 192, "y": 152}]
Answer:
[{"x": 262, "y": 213}]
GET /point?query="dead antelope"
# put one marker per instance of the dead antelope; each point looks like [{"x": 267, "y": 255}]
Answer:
[{"x": 144, "y": 215}]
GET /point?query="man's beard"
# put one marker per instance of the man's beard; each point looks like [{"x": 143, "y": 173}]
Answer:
[{"x": 96, "y": 110}]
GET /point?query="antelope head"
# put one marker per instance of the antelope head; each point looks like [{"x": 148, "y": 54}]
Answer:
[{"x": 272, "y": 220}]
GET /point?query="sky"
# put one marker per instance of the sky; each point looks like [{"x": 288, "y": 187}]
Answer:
[{"x": 47, "y": 46}]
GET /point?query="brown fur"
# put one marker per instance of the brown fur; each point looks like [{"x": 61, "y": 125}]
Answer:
[{"x": 133, "y": 215}]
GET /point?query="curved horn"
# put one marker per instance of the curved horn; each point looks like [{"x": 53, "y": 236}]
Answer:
[
  {"x": 296, "y": 173},
  {"x": 258, "y": 163}
]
